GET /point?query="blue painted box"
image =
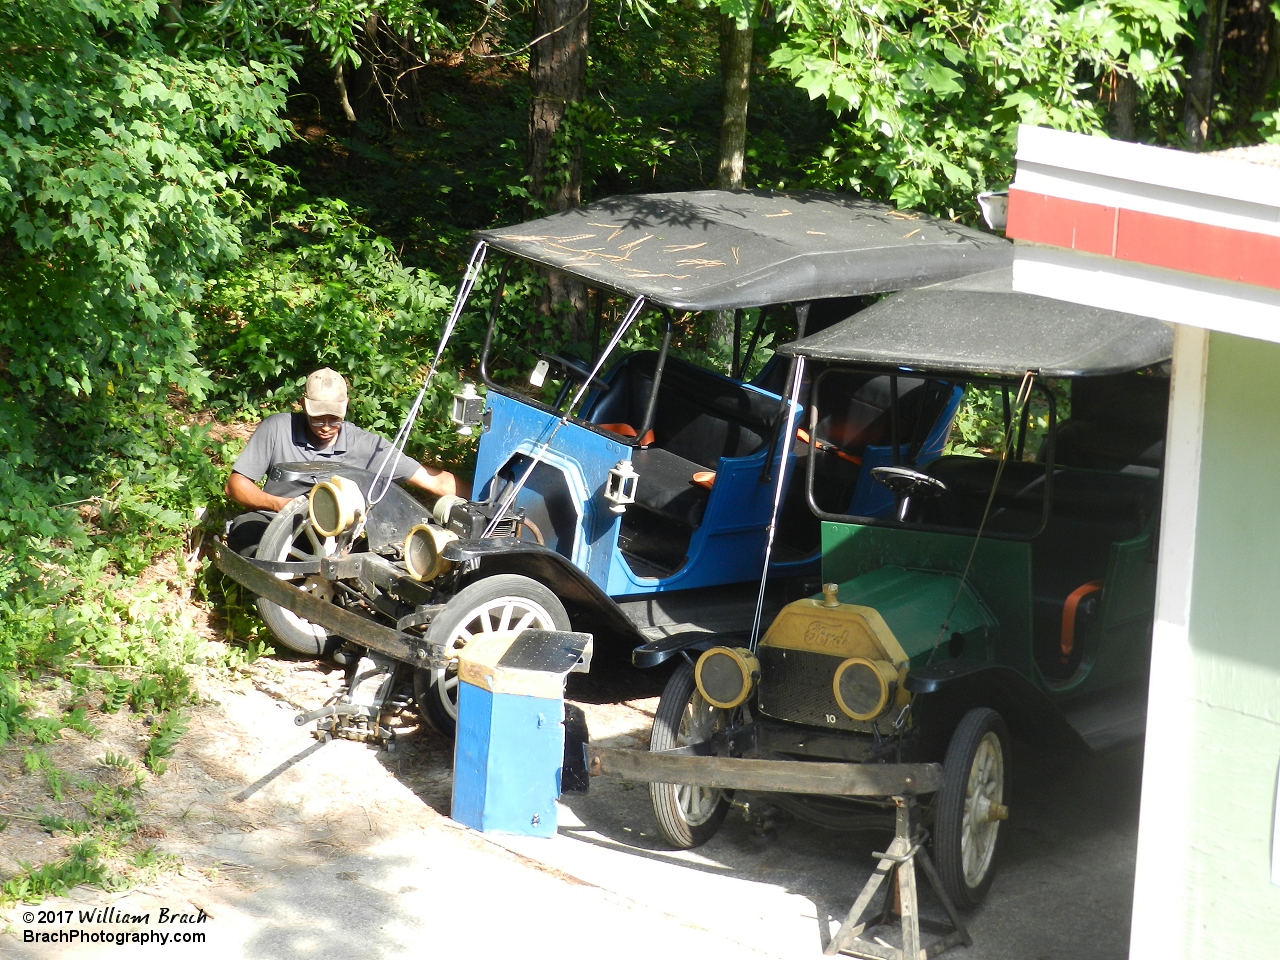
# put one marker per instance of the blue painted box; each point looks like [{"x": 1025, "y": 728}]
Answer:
[{"x": 510, "y": 742}]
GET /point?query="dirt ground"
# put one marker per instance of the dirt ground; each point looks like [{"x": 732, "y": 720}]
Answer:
[
  {"x": 245, "y": 773},
  {"x": 298, "y": 849}
]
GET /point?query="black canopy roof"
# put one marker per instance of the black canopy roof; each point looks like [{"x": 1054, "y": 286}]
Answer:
[
  {"x": 979, "y": 325},
  {"x": 716, "y": 249}
]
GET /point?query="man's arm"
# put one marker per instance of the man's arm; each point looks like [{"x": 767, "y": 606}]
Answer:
[
  {"x": 248, "y": 494},
  {"x": 438, "y": 482}
]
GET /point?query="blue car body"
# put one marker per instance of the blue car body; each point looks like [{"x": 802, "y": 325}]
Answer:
[{"x": 564, "y": 497}]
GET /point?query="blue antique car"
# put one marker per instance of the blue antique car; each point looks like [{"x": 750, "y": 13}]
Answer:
[{"x": 634, "y": 502}]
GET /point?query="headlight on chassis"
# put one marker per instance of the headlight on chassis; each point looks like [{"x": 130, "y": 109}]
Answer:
[
  {"x": 334, "y": 505},
  {"x": 864, "y": 688},
  {"x": 422, "y": 547},
  {"x": 726, "y": 675}
]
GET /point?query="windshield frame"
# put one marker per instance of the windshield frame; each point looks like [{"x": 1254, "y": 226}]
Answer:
[{"x": 895, "y": 443}]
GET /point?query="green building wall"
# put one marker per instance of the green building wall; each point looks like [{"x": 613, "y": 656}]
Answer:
[{"x": 1232, "y": 907}]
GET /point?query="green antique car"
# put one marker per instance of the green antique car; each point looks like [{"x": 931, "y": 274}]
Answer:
[{"x": 1010, "y": 593}]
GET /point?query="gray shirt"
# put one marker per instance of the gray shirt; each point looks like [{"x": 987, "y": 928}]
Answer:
[{"x": 283, "y": 438}]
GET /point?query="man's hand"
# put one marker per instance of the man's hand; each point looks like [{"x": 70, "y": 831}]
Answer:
[
  {"x": 438, "y": 483},
  {"x": 248, "y": 494}
]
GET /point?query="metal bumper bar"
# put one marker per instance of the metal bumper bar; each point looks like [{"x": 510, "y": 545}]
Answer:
[
  {"x": 344, "y": 623},
  {"x": 767, "y": 776}
]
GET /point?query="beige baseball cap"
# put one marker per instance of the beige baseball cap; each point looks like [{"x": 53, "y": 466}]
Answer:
[{"x": 326, "y": 394}]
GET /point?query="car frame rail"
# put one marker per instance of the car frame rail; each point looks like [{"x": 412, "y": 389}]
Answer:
[
  {"x": 838, "y": 779},
  {"x": 259, "y": 578}
]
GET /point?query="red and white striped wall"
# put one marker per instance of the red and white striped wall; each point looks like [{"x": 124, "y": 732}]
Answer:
[{"x": 1188, "y": 238}]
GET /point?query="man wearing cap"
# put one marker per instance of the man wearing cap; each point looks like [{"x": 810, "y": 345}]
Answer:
[{"x": 318, "y": 434}]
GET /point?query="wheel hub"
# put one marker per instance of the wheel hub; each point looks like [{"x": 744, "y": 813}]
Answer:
[{"x": 983, "y": 809}]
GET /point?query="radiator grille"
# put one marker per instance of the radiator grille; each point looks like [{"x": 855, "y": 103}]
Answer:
[{"x": 795, "y": 685}]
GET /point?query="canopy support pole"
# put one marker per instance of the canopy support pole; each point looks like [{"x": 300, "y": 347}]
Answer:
[
  {"x": 797, "y": 378},
  {"x": 651, "y": 410},
  {"x": 736, "y": 373},
  {"x": 513, "y": 491},
  {"x": 784, "y": 413},
  {"x": 469, "y": 278},
  {"x": 755, "y": 339},
  {"x": 491, "y": 320}
]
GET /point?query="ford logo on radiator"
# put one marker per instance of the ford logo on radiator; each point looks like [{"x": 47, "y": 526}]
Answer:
[{"x": 821, "y": 634}]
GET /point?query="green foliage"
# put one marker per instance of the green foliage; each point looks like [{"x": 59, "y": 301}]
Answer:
[
  {"x": 129, "y": 161},
  {"x": 123, "y": 176},
  {"x": 83, "y": 864},
  {"x": 38, "y": 762},
  {"x": 165, "y": 735},
  {"x": 56, "y": 824},
  {"x": 107, "y": 826},
  {"x": 78, "y": 720},
  {"x": 115, "y": 694},
  {"x": 935, "y": 93},
  {"x": 13, "y": 710},
  {"x": 117, "y": 761},
  {"x": 317, "y": 288},
  {"x": 979, "y": 428}
]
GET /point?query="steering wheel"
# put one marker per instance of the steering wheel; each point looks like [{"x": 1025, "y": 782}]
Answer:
[
  {"x": 909, "y": 483},
  {"x": 575, "y": 370}
]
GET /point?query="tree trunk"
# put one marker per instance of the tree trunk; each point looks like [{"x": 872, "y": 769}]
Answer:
[
  {"x": 1203, "y": 73},
  {"x": 1272, "y": 68},
  {"x": 1126, "y": 103},
  {"x": 557, "y": 77},
  {"x": 735, "y": 72},
  {"x": 340, "y": 81},
  {"x": 1249, "y": 47}
]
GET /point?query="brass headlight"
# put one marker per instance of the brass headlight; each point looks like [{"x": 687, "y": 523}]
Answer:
[
  {"x": 334, "y": 505},
  {"x": 422, "y": 549},
  {"x": 726, "y": 675},
  {"x": 865, "y": 688}
]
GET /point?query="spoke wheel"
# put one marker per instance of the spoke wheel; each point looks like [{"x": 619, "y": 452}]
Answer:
[
  {"x": 493, "y": 605},
  {"x": 970, "y": 806},
  {"x": 291, "y": 537},
  {"x": 687, "y": 815}
]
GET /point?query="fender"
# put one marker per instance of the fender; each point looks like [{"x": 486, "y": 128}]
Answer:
[
  {"x": 946, "y": 691},
  {"x": 590, "y": 609},
  {"x": 389, "y": 520},
  {"x": 659, "y": 651}
]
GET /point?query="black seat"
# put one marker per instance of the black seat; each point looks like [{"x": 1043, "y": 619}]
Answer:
[
  {"x": 1116, "y": 422},
  {"x": 1018, "y": 505},
  {"x": 1120, "y": 502},
  {"x": 700, "y": 417},
  {"x": 666, "y": 485}
]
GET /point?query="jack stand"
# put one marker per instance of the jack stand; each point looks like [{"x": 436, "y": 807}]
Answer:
[{"x": 900, "y": 860}]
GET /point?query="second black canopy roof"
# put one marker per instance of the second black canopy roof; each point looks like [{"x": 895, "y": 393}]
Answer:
[
  {"x": 718, "y": 250},
  {"x": 977, "y": 324}
]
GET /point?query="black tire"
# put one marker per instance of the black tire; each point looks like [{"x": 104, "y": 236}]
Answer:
[
  {"x": 975, "y": 775},
  {"x": 526, "y": 603},
  {"x": 687, "y": 816},
  {"x": 290, "y": 537}
]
